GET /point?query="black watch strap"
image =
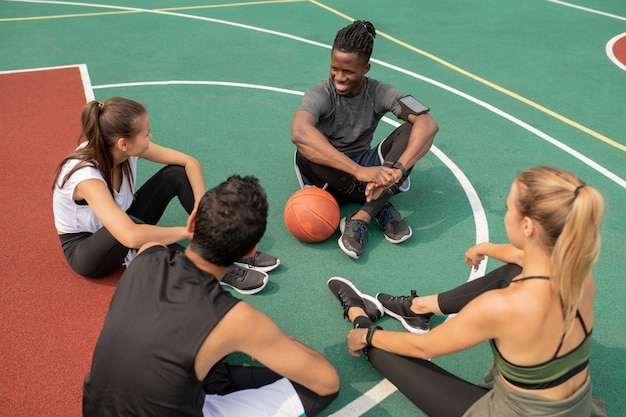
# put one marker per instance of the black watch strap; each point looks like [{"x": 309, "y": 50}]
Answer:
[
  {"x": 399, "y": 166},
  {"x": 370, "y": 333}
]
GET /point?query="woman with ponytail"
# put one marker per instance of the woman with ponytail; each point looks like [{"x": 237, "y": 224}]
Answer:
[
  {"x": 536, "y": 312},
  {"x": 99, "y": 215}
]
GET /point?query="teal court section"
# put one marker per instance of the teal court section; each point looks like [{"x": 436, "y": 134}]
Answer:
[{"x": 511, "y": 84}]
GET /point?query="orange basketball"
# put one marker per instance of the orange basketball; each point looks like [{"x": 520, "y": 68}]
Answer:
[{"x": 312, "y": 214}]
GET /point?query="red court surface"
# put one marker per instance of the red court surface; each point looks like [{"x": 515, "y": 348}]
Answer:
[{"x": 50, "y": 316}]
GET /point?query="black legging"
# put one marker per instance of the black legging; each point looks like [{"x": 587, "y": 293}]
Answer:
[
  {"x": 430, "y": 387},
  {"x": 225, "y": 378},
  {"x": 345, "y": 187},
  {"x": 98, "y": 254}
]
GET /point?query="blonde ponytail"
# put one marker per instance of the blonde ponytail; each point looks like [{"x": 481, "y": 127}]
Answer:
[{"x": 570, "y": 214}]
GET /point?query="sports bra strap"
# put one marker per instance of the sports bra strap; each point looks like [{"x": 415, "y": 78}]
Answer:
[{"x": 531, "y": 277}]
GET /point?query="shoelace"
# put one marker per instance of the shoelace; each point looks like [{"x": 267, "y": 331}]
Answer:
[
  {"x": 386, "y": 217},
  {"x": 405, "y": 303},
  {"x": 238, "y": 274},
  {"x": 360, "y": 230}
]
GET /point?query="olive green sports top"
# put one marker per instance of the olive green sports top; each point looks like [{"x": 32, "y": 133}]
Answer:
[{"x": 551, "y": 373}]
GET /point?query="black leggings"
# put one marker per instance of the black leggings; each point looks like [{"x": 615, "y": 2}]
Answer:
[
  {"x": 430, "y": 387},
  {"x": 225, "y": 378},
  {"x": 345, "y": 187},
  {"x": 98, "y": 254}
]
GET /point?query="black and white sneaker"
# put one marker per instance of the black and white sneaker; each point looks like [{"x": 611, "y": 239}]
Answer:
[
  {"x": 400, "y": 309},
  {"x": 259, "y": 261},
  {"x": 394, "y": 227},
  {"x": 244, "y": 280},
  {"x": 354, "y": 236},
  {"x": 349, "y": 296}
]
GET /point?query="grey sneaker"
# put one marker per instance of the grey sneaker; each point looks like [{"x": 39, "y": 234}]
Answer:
[
  {"x": 354, "y": 236},
  {"x": 349, "y": 296},
  {"x": 259, "y": 261},
  {"x": 400, "y": 308},
  {"x": 394, "y": 227},
  {"x": 244, "y": 280}
]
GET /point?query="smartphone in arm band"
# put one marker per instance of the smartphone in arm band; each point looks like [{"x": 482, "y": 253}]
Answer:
[{"x": 410, "y": 105}]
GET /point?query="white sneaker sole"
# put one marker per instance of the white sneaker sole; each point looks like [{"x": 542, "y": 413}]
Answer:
[
  {"x": 259, "y": 268},
  {"x": 402, "y": 321},
  {"x": 402, "y": 239},
  {"x": 250, "y": 291},
  {"x": 352, "y": 254}
]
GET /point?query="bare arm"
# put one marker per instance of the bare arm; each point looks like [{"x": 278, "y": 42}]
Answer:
[
  {"x": 121, "y": 226},
  {"x": 314, "y": 146},
  {"x": 420, "y": 141},
  {"x": 193, "y": 169},
  {"x": 248, "y": 330},
  {"x": 481, "y": 320},
  {"x": 502, "y": 252}
]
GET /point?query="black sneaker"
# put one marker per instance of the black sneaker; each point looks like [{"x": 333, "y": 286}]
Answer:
[
  {"x": 354, "y": 236},
  {"x": 394, "y": 227},
  {"x": 350, "y": 296},
  {"x": 400, "y": 308},
  {"x": 259, "y": 261},
  {"x": 244, "y": 280}
]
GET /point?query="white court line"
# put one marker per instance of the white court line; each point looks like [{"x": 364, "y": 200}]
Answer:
[
  {"x": 609, "y": 51},
  {"x": 82, "y": 68},
  {"x": 586, "y": 9},
  {"x": 367, "y": 401}
]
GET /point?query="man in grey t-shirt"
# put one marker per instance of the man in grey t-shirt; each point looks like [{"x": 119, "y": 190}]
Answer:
[{"x": 333, "y": 130}]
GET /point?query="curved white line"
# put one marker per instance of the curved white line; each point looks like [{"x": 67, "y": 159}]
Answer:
[
  {"x": 586, "y": 9},
  {"x": 609, "y": 50},
  {"x": 480, "y": 218}
]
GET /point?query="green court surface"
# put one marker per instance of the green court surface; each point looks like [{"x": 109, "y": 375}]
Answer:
[{"x": 512, "y": 84}]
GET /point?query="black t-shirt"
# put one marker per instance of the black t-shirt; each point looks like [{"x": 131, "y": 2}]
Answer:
[{"x": 161, "y": 313}]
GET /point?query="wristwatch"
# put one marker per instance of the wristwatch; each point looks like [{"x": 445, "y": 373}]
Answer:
[
  {"x": 370, "y": 333},
  {"x": 399, "y": 166}
]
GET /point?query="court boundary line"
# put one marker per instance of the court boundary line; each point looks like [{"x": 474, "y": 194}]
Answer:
[
  {"x": 587, "y": 9},
  {"x": 82, "y": 68}
]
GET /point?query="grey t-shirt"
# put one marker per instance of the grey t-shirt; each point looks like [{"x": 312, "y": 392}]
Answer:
[{"x": 349, "y": 122}]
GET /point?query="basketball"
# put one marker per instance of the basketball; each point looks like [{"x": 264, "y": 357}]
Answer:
[{"x": 312, "y": 214}]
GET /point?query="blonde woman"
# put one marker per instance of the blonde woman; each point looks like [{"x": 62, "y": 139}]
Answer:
[{"x": 538, "y": 319}]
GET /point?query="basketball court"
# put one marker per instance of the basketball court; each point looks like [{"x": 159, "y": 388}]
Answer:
[{"x": 511, "y": 84}]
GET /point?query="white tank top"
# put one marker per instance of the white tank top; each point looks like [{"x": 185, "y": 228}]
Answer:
[{"x": 70, "y": 217}]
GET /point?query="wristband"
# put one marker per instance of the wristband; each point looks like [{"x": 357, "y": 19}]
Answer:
[{"x": 370, "y": 333}]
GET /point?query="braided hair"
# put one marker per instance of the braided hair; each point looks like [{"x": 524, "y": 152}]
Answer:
[{"x": 356, "y": 38}]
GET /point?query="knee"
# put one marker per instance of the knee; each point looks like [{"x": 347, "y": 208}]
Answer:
[{"x": 174, "y": 172}]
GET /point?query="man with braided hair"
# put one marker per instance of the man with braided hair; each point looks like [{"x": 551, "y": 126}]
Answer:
[{"x": 333, "y": 130}]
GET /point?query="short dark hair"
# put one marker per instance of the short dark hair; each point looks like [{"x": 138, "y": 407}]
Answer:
[
  {"x": 356, "y": 38},
  {"x": 230, "y": 220}
]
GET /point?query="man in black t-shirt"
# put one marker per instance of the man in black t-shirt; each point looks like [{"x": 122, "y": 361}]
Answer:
[{"x": 170, "y": 325}]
